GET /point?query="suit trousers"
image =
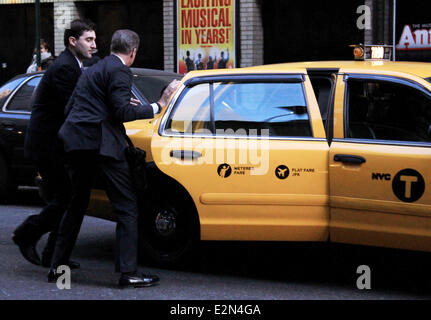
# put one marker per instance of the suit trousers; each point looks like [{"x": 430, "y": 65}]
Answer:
[
  {"x": 56, "y": 183},
  {"x": 85, "y": 167}
]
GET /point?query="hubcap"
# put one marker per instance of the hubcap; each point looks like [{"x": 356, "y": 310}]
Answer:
[{"x": 165, "y": 223}]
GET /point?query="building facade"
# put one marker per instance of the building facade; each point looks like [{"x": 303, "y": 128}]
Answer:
[{"x": 265, "y": 31}]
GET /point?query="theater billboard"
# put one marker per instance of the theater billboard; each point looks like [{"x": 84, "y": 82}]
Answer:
[{"x": 206, "y": 35}]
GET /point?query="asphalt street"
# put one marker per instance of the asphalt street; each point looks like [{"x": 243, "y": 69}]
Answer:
[{"x": 232, "y": 271}]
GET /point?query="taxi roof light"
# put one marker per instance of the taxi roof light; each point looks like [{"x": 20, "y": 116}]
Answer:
[
  {"x": 372, "y": 52},
  {"x": 358, "y": 53},
  {"x": 377, "y": 52}
]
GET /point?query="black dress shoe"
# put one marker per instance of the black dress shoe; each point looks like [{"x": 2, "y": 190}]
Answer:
[
  {"x": 53, "y": 276},
  {"x": 153, "y": 277},
  {"x": 135, "y": 281},
  {"x": 28, "y": 251}
]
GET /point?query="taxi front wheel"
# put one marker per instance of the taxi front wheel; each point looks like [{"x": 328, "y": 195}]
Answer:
[{"x": 170, "y": 228}]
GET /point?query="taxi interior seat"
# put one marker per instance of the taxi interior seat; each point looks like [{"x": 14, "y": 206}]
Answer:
[{"x": 358, "y": 126}]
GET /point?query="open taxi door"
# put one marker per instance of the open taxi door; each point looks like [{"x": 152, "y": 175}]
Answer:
[{"x": 250, "y": 149}]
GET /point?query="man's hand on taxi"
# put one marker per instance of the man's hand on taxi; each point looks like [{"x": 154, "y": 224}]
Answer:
[
  {"x": 4, "y": 93},
  {"x": 135, "y": 102},
  {"x": 172, "y": 87}
]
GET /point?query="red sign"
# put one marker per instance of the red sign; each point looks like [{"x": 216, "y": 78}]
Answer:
[{"x": 415, "y": 37}]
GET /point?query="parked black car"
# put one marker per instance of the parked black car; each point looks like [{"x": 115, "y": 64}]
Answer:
[{"x": 15, "y": 112}]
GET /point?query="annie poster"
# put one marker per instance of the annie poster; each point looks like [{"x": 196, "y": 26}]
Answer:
[{"x": 206, "y": 35}]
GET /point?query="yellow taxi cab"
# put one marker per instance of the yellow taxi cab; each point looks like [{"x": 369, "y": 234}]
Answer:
[{"x": 311, "y": 151}]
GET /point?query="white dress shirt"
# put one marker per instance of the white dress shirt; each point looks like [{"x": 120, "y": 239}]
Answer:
[{"x": 80, "y": 64}]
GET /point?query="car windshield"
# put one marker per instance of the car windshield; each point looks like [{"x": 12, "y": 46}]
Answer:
[{"x": 152, "y": 86}]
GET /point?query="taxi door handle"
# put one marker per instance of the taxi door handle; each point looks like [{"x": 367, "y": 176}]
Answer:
[
  {"x": 185, "y": 154},
  {"x": 347, "y": 158}
]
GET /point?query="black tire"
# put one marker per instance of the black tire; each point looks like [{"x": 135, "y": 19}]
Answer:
[{"x": 169, "y": 227}]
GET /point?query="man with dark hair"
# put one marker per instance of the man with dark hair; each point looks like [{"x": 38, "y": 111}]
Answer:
[
  {"x": 43, "y": 146},
  {"x": 94, "y": 141}
]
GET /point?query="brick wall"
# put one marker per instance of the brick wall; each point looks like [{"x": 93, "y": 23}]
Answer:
[
  {"x": 251, "y": 33},
  {"x": 169, "y": 34},
  {"x": 64, "y": 13}
]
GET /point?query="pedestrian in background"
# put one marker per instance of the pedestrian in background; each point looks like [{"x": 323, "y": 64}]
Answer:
[{"x": 46, "y": 57}]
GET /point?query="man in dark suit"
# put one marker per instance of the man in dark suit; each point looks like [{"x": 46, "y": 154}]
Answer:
[
  {"x": 43, "y": 146},
  {"x": 94, "y": 140}
]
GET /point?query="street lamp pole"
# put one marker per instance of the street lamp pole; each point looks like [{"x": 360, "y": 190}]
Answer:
[
  {"x": 37, "y": 45},
  {"x": 394, "y": 29}
]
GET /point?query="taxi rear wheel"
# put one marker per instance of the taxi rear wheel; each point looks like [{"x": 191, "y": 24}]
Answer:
[{"x": 170, "y": 228}]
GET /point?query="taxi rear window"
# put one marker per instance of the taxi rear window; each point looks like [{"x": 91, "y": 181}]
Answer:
[{"x": 276, "y": 109}]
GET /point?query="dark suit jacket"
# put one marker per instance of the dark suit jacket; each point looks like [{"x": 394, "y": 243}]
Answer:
[
  {"x": 98, "y": 107},
  {"x": 47, "y": 115}
]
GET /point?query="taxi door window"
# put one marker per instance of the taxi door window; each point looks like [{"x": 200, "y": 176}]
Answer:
[
  {"x": 385, "y": 110},
  {"x": 234, "y": 108},
  {"x": 22, "y": 99},
  {"x": 191, "y": 114}
]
